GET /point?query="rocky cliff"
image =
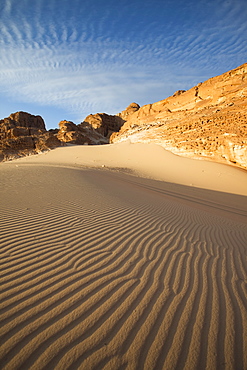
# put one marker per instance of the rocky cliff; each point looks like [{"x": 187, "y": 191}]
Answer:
[
  {"x": 106, "y": 124},
  {"x": 79, "y": 134},
  {"x": 208, "y": 121},
  {"x": 23, "y": 134}
]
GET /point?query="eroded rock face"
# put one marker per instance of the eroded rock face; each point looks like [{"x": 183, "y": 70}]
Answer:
[
  {"x": 103, "y": 123},
  {"x": 23, "y": 134},
  {"x": 21, "y": 124},
  {"x": 132, "y": 108},
  {"x": 79, "y": 134},
  {"x": 208, "y": 121},
  {"x": 23, "y": 119},
  {"x": 106, "y": 124},
  {"x": 47, "y": 141}
]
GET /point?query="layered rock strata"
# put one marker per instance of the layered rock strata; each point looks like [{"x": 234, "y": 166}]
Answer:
[
  {"x": 79, "y": 134},
  {"x": 23, "y": 134},
  {"x": 208, "y": 121},
  {"x": 106, "y": 124}
]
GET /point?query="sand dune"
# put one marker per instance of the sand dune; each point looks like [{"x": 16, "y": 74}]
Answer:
[
  {"x": 148, "y": 160},
  {"x": 105, "y": 270}
]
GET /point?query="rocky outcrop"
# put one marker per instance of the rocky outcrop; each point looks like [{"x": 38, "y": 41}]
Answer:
[
  {"x": 23, "y": 119},
  {"x": 103, "y": 123},
  {"x": 79, "y": 134},
  {"x": 125, "y": 114},
  {"x": 208, "y": 121},
  {"x": 46, "y": 141},
  {"x": 23, "y": 134},
  {"x": 106, "y": 124},
  {"x": 21, "y": 124}
]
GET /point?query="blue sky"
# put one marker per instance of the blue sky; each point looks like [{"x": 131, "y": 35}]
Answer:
[{"x": 65, "y": 59}]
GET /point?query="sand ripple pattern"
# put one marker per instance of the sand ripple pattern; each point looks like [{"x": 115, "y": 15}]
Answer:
[{"x": 113, "y": 275}]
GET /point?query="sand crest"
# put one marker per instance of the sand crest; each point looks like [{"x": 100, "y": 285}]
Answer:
[
  {"x": 105, "y": 270},
  {"x": 147, "y": 160}
]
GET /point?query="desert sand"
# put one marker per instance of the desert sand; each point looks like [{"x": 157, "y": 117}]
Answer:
[{"x": 122, "y": 256}]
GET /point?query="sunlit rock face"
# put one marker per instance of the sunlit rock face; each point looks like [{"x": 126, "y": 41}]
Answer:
[
  {"x": 21, "y": 124},
  {"x": 23, "y": 134},
  {"x": 208, "y": 121},
  {"x": 78, "y": 134},
  {"x": 103, "y": 123},
  {"x": 23, "y": 119},
  {"x": 125, "y": 114},
  {"x": 95, "y": 129},
  {"x": 106, "y": 124}
]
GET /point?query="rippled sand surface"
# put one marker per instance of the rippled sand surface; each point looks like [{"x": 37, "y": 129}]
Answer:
[{"x": 104, "y": 270}]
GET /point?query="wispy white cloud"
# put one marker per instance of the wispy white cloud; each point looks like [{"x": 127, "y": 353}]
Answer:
[
  {"x": 86, "y": 88},
  {"x": 7, "y": 6},
  {"x": 57, "y": 54}
]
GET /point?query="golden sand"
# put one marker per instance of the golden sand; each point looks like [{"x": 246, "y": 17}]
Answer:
[{"x": 105, "y": 270}]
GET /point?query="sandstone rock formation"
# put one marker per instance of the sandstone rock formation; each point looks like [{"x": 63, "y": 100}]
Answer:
[
  {"x": 79, "y": 134},
  {"x": 103, "y": 123},
  {"x": 106, "y": 124},
  {"x": 22, "y": 134},
  {"x": 208, "y": 121},
  {"x": 23, "y": 119},
  {"x": 125, "y": 114}
]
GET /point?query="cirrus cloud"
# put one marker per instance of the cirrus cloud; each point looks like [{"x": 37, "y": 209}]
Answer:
[{"x": 93, "y": 58}]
